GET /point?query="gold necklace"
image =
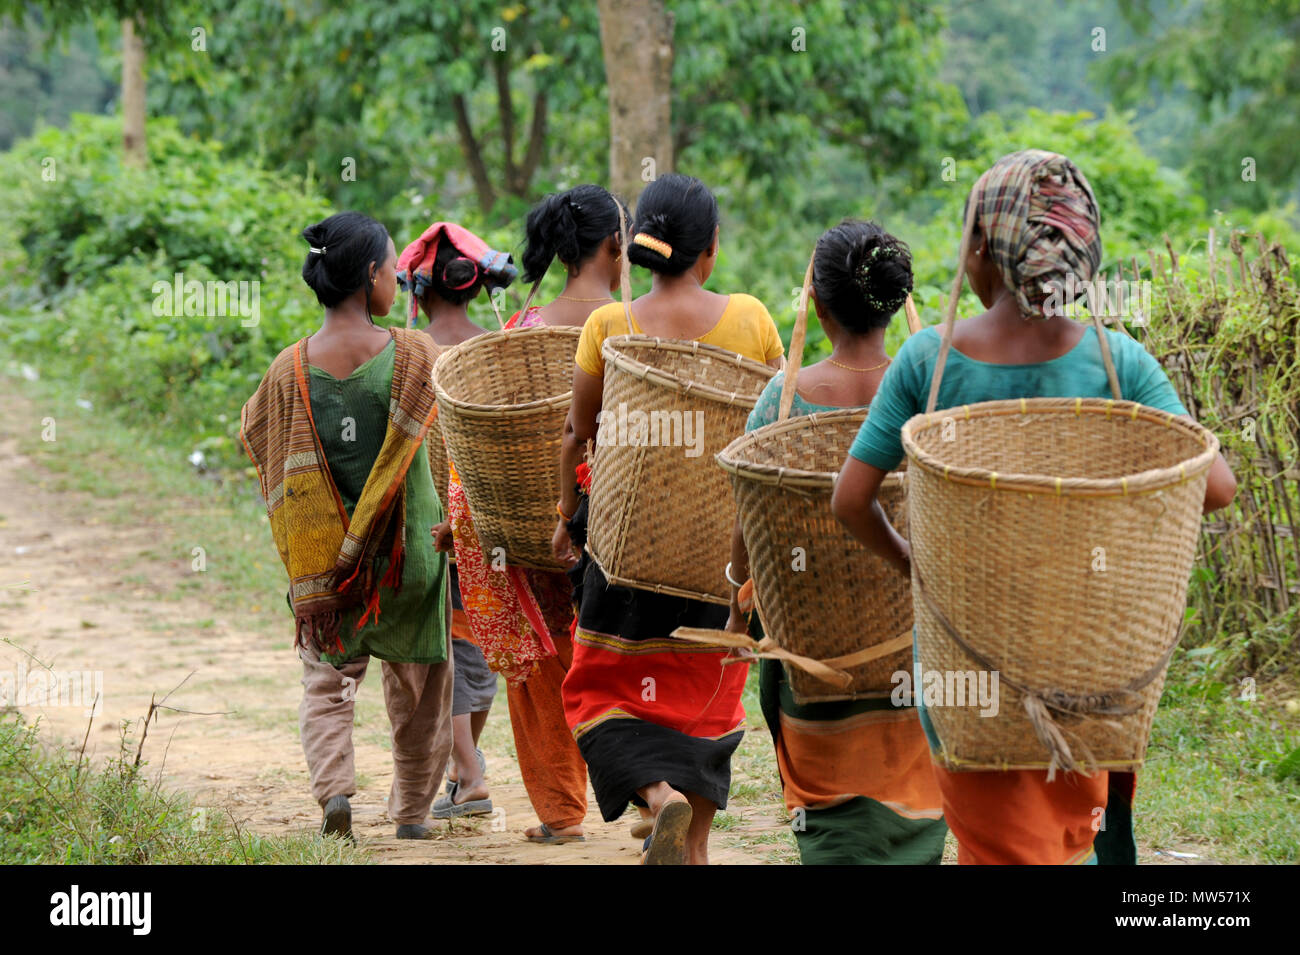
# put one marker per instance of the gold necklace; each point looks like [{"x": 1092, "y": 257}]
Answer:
[
  {"x": 571, "y": 298},
  {"x": 840, "y": 364}
]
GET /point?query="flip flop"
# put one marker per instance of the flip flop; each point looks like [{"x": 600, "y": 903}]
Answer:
[
  {"x": 446, "y": 808},
  {"x": 549, "y": 838},
  {"x": 642, "y": 828},
  {"x": 668, "y": 840}
]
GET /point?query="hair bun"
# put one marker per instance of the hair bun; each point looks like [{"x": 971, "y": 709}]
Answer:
[
  {"x": 883, "y": 273},
  {"x": 656, "y": 224}
]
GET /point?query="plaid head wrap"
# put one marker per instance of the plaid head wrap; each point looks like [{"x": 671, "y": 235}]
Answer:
[
  {"x": 1042, "y": 224},
  {"x": 415, "y": 264}
]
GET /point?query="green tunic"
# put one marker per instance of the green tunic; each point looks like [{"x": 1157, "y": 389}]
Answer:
[{"x": 351, "y": 417}]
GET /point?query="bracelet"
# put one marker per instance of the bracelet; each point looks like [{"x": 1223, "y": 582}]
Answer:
[
  {"x": 727, "y": 573},
  {"x": 564, "y": 517}
]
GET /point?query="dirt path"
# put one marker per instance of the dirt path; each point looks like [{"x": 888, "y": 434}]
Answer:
[{"x": 83, "y": 591}]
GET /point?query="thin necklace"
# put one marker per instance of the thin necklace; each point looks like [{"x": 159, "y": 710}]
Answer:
[
  {"x": 571, "y": 298},
  {"x": 840, "y": 364}
]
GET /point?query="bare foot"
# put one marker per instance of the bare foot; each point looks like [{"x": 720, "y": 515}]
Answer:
[{"x": 472, "y": 791}]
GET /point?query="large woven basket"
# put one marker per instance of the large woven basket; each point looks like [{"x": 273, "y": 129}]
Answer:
[
  {"x": 820, "y": 593},
  {"x": 502, "y": 402},
  {"x": 1052, "y": 540},
  {"x": 660, "y": 513}
]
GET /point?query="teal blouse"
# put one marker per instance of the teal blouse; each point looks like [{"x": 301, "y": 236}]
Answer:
[
  {"x": 769, "y": 405},
  {"x": 1079, "y": 373}
]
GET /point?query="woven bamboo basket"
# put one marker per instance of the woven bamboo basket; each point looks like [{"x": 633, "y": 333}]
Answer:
[
  {"x": 660, "y": 518},
  {"x": 502, "y": 402},
  {"x": 842, "y": 603},
  {"x": 1052, "y": 541},
  {"x": 436, "y": 448}
]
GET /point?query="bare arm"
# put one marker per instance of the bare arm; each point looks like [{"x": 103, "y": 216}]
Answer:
[
  {"x": 579, "y": 427},
  {"x": 855, "y": 505},
  {"x": 736, "y": 622},
  {"x": 1220, "y": 486}
]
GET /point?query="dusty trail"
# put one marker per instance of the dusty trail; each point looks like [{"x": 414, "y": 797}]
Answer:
[{"x": 81, "y": 590}]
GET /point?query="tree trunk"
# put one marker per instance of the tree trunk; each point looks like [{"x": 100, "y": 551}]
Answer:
[
  {"x": 637, "y": 39},
  {"x": 133, "y": 142}
]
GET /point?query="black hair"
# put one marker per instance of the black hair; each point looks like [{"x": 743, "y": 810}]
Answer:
[
  {"x": 861, "y": 274},
  {"x": 456, "y": 279},
  {"x": 570, "y": 225},
  {"x": 341, "y": 249},
  {"x": 677, "y": 210}
]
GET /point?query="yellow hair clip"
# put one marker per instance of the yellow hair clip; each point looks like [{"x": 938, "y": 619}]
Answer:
[{"x": 655, "y": 245}]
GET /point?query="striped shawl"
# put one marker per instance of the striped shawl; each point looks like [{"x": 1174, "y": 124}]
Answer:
[{"x": 329, "y": 556}]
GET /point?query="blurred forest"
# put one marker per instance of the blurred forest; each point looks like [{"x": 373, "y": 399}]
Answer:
[{"x": 263, "y": 116}]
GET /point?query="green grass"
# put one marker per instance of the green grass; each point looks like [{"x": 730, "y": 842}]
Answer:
[
  {"x": 1215, "y": 774},
  {"x": 56, "y": 808}
]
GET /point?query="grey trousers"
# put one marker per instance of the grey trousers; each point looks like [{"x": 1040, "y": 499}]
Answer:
[{"x": 418, "y": 698}]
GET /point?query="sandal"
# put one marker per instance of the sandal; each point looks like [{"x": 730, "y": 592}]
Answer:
[
  {"x": 668, "y": 840},
  {"x": 446, "y": 807},
  {"x": 550, "y": 838}
]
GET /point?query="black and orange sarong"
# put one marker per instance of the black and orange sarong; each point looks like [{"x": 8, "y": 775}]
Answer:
[{"x": 645, "y": 707}]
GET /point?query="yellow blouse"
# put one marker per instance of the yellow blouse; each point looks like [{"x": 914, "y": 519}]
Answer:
[{"x": 745, "y": 327}]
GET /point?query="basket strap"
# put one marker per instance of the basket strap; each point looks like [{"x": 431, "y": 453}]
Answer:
[
  {"x": 1106, "y": 358},
  {"x": 830, "y": 670},
  {"x": 625, "y": 270},
  {"x": 913, "y": 319},
  {"x": 501, "y": 322},
  {"x": 797, "y": 338},
  {"x": 528, "y": 302},
  {"x": 1041, "y": 703},
  {"x": 950, "y": 312},
  {"x": 950, "y": 315}
]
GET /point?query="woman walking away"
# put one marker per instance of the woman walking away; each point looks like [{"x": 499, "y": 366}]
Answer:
[
  {"x": 667, "y": 748},
  {"x": 335, "y": 432},
  {"x": 444, "y": 270},
  {"x": 1035, "y": 231},
  {"x": 508, "y": 611},
  {"x": 857, "y": 771}
]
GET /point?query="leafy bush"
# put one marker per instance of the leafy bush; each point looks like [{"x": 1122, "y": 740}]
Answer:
[{"x": 92, "y": 250}]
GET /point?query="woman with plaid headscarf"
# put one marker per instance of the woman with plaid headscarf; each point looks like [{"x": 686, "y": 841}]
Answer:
[{"x": 1034, "y": 242}]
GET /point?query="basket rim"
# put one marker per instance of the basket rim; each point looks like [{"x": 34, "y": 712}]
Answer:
[
  {"x": 487, "y": 339},
  {"x": 731, "y": 458},
  {"x": 1141, "y": 482},
  {"x": 644, "y": 370}
]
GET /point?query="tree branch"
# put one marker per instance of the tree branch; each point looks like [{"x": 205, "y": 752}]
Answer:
[
  {"x": 506, "y": 110},
  {"x": 469, "y": 146},
  {"x": 536, "y": 144}
]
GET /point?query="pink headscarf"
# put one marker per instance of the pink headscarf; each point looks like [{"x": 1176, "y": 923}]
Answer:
[{"x": 415, "y": 265}]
